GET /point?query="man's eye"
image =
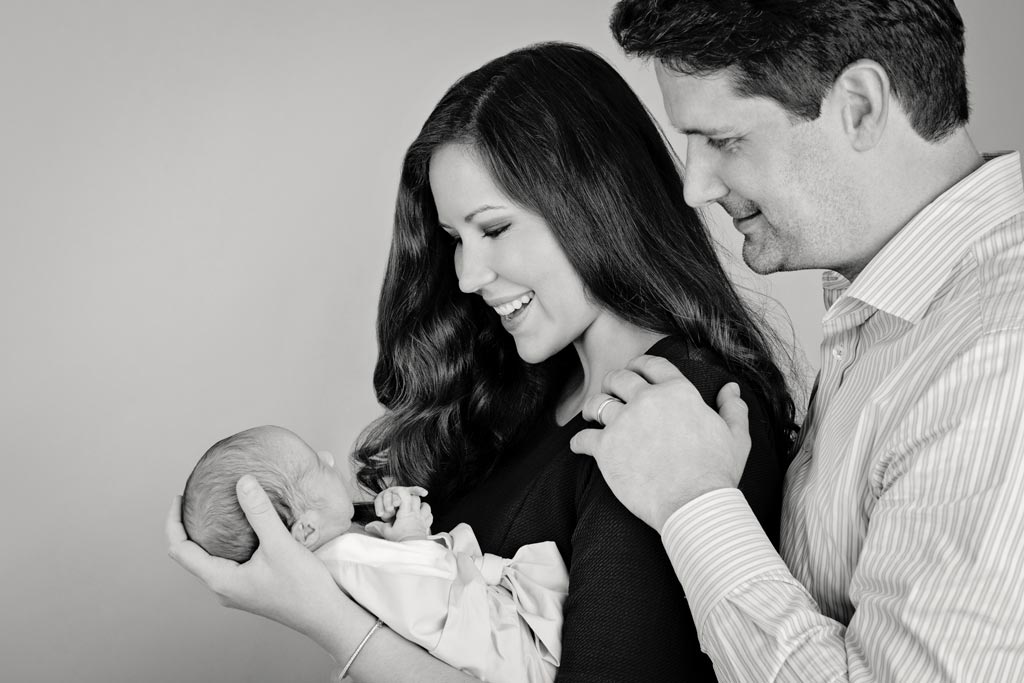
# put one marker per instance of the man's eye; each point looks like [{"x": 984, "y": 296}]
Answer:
[{"x": 719, "y": 143}]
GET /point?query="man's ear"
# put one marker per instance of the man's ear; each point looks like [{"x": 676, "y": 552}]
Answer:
[
  {"x": 306, "y": 529},
  {"x": 862, "y": 94}
]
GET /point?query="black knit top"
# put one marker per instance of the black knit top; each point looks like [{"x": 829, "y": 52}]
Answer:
[{"x": 626, "y": 618}]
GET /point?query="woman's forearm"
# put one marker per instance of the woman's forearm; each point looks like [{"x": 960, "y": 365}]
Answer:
[{"x": 386, "y": 656}]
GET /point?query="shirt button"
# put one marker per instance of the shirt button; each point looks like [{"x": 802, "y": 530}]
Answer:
[{"x": 838, "y": 352}]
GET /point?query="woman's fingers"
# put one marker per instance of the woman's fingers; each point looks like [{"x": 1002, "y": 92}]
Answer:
[
  {"x": 208, "y": 569},
  {"x": 173, "y": 528},
  {"x": 260, "y": 511}
]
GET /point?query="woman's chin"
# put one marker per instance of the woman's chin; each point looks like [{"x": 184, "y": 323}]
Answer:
[{"x": 531, "y": 354}]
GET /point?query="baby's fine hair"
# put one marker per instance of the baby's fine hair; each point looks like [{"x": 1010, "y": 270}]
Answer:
[{"x": 210, "y": 511}]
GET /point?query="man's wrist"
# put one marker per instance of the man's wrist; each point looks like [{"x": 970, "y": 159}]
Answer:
[{"x": 673, "y": 505}]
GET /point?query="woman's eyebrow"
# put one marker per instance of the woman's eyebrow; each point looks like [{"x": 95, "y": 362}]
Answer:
[{"x": 485, "y": 207}]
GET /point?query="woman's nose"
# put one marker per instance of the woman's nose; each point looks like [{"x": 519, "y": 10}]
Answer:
[
  {"x": 472, "y": 267},
  {"x": 701, "y": 183}
]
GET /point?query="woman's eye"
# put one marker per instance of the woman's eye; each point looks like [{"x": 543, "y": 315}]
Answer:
[{"x": 495, "y": 231}]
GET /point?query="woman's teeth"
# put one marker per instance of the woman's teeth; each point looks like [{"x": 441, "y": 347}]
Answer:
[{"x": 507, "y": 309}]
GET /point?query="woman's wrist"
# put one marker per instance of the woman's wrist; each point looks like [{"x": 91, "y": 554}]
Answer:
[{"x": 345, "y": 625}]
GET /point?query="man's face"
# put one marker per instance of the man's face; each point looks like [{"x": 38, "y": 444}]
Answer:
[{"x": 780, "y": 179}]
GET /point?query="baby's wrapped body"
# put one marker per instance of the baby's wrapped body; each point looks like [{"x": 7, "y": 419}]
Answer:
[{"x": 495, "y": 618}]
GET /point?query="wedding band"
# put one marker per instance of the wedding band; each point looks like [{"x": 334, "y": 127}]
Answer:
[{"x": 600, "y": 408}]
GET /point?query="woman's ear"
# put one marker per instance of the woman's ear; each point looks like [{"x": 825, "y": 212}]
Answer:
[
  {"x": 863, "y": 96},
  {"x": 306, "y": 529}
]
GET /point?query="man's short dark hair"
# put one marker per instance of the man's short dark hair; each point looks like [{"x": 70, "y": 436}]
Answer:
[{"x": 792, "y": 51}]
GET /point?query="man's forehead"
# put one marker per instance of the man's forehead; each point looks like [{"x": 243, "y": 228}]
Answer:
[
  {"x": 704, "y": 105},
  {"x": 689, "y": 99}
]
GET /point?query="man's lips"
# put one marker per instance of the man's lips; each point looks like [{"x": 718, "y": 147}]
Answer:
[{"x": 738, "y": 221}]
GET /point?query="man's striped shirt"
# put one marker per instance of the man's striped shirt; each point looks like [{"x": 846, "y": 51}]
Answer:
[{"x": 902, "y": 553}]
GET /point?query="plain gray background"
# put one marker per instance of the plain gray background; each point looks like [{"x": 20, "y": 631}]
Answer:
[{"x": 196, "y": 208}]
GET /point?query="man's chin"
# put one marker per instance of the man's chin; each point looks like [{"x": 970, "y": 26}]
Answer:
[{"x": 761, "y": 261}]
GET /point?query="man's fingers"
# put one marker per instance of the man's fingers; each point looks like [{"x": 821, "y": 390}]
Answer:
[
  {"x": 733, "y": 410},
  {"x": 259, "y": 510},
  {"x": 601, "y": 408},
  {"x": 586, "y": 442},
  {"x": 624, "y": 384},
  {"x": 654, "y": 370}
]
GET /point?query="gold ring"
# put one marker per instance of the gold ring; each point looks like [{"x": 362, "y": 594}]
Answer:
[{"x": 604, "y": 404}]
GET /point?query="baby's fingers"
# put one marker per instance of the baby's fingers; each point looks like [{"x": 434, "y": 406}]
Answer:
[{"x": 384, "y": 504}]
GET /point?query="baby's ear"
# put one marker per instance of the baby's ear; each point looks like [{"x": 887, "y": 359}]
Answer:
[{"x": 306, "y": 529}]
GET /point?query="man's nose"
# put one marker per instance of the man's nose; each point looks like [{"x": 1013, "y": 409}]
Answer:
[{"x": 702, "y": 184}]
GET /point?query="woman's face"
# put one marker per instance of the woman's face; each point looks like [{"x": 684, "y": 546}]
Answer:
[{"x": 508, "y": 256}]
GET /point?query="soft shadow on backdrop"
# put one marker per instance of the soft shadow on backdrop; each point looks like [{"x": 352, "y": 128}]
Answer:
[{"x": 195, "y": 215}]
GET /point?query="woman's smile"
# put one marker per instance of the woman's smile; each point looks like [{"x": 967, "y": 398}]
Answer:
[
  {"x": 513, "y": 313},
  {"x": 513, "y": 309}
]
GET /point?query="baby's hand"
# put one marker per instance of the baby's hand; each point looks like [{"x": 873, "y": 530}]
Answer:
[{"x": 412, "y": 518}]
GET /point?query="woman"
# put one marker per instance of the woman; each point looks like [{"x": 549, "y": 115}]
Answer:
[{"x": 543, "y": 180}]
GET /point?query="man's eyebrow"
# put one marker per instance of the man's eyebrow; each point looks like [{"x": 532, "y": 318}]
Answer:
[{"x": 706, "y": 132}]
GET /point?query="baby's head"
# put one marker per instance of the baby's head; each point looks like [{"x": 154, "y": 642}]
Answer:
[{"x": 309, "y": 495}]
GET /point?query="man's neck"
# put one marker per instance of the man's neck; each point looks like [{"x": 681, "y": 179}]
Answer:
[{"x": 918, "y": 175}]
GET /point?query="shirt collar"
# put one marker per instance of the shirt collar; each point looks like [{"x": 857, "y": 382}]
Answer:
[{"x": 904, "y": 276}]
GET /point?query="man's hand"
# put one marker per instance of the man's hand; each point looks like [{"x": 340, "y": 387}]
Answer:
[
  {"x": 412, "y": 518},
  {"x": 662, "y": 446}
]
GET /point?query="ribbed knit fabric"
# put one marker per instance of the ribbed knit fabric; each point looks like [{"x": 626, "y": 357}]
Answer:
[{"x": 626, "y": 618}]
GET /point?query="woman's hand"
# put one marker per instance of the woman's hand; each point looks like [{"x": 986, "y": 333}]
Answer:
[{"x": 283, "y": 581}]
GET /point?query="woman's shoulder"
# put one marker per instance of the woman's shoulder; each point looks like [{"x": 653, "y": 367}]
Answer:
[{"x": 701, "y": 365}]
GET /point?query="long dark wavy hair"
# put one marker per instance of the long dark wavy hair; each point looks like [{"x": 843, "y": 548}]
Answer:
[{"x": 565, "y": 137}]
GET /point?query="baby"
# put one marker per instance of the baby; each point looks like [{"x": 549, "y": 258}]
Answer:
[{"x": 494, "y": 618}]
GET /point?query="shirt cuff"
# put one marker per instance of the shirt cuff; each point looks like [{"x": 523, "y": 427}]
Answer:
[{"x": 717, "y": 545}]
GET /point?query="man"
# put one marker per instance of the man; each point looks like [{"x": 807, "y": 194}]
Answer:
[{"x": 833, "y": 134}]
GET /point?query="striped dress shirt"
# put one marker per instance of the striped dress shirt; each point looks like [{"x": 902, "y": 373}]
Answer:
[{"x": 902, "y": 551}]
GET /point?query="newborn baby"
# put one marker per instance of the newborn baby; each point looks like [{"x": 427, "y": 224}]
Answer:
[{"x": 495, "y": 618}]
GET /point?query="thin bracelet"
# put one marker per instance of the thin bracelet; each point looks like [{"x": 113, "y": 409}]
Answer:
[{"x": 359, "y": 648}]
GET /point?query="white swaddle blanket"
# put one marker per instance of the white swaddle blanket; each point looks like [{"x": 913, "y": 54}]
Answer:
[{"x": 495, "y": 618}]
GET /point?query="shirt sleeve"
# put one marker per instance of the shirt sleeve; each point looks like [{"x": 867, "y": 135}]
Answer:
[{"x": 938, "y": 585}]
